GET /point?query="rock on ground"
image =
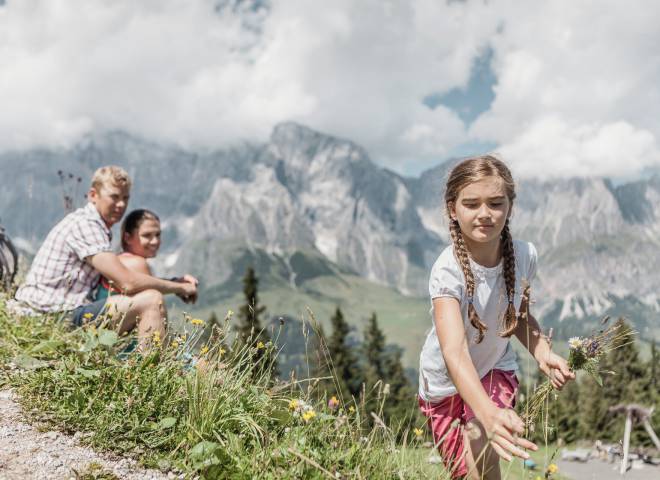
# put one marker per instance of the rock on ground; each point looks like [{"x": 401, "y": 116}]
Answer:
[{"x": 26, "y": 453}]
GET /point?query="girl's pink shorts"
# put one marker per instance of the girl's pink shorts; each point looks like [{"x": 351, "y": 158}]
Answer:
[{"x": 500, "y": 385}]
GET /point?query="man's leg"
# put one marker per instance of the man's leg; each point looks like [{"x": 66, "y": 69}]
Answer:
[{"x": 145, "y": 309}]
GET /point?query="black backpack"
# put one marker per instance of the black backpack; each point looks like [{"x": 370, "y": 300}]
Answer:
[{"x": 8, "y": 260}]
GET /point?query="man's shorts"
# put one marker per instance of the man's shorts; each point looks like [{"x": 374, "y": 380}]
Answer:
[
  {"x": 447, "y": 418},
  {"x": 87, "y": 313}
]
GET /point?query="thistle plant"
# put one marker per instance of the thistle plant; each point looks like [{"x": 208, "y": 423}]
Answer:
[{"x": 585, "y": 354}]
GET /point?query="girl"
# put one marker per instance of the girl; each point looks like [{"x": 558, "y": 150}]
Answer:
[
  {"x": 140, "y": 240},
  {"x": 467, "y": 366}
]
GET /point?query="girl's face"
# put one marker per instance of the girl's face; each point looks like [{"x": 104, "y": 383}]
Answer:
[
  {"x": 481, "y": 209},
  {"x": 145, "y": 240}
]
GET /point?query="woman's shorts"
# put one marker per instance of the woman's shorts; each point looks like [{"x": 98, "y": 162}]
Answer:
[{"x": 448, "y": 417}]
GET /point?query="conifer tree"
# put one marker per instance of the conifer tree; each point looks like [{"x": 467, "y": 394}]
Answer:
[
  {"x": 343, "y": 358},
  {"x": 623, "y": 385},
  {"x": 317, "y": 357},
  {"x": 564, "y": 415},
  {"x": 249, "y": 329},
  {"x": 400, "y": 406},
  {"x": 249, "y": 314},
  {"x": 374, "y": 352}
]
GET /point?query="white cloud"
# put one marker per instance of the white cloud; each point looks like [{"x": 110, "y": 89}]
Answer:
[
  {"x": 578, "y": 89},
  {"x": 578, "y": 79}
]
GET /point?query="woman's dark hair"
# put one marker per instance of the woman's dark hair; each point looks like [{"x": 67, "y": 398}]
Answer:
[{"x": 133, "y": 221}]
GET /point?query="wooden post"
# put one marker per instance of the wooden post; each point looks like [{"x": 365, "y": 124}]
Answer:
[
  {"x": 626, "y": 442},
  {"x": 651, "y": 433}
]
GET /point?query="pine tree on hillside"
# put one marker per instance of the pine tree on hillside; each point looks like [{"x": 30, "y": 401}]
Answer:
[
  {"x": 564, "y": 416},
  {"x": 317, "y": 358},
  {"x": 249, "y": 330},
  {"x": 343, "y": 359},
  {"x": 623, "y": 386},
  {"x": 373, "y": 348},
  {"x": 401, "y": 407},
  {"x": 249, "y": 314}
]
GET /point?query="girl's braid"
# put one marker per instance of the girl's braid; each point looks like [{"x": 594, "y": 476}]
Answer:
[
  {"x": 510, "y": 320},
  {"x": 464, "y": 260}
]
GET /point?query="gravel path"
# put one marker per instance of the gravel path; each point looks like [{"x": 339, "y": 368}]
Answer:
[
  {"x": 600, "y": 470},
  {"x": 26, "y": 453}
]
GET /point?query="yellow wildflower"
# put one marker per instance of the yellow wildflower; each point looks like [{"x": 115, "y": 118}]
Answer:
[
  {"x": 204, "y": 350},
  {"x": 418, "y": 432},
  {"x": 174, "y": 344},
  {"x": 197, "y": 321},
  {"x": 552, "y": 468},
  {"x": 230, "y": 313},
  {"x": 260, "y": 345},
  {"x": 222, "y": 351},
  {"x": 308, "y": 415},
  {"x": 351, "y": 409},
  {"x": 157, "y": 339},
  {"x": 88, "y": 316},
  {"x": 293, "y": 404}
]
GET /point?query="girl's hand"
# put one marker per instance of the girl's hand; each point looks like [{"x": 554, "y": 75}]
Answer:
[
  {"x": 556, "y": 369},
  {"x": 503, "y": 426}
]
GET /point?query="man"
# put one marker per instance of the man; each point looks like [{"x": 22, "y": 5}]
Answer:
[{"x": 77, "y": 251}]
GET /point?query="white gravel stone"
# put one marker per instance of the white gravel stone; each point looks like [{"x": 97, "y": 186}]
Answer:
[{"x": 26, "y": 453}]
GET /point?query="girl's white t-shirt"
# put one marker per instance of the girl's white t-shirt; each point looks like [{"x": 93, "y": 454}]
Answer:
[{"x": 490, "y": 301}]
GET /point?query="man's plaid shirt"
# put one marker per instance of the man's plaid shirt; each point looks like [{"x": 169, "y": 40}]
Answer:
[{"x": 59, "y": 278}]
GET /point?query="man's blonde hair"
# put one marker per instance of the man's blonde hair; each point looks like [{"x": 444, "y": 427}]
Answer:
[{"x": 110, "y": 175}]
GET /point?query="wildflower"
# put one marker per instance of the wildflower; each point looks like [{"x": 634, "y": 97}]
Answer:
[
  {"x": 204, "y": 350},
  {"x": 88, "y": 316},
  {"x": 308, "y": 415},
  {"x": 174, "y": 344},
  {"x": 197, "y": 322},
  {"x": 351, "y": 409},
  {"x": 230, "y": 313},
  {"x": 293, "y": 404},
  {"x": 157, "y": 339},
  {"x": 260, "y": 345},
  {"x": 222, "y": 351},
  {"x": 418, "y": 432},
  {"x": 575, "y": 343},
  {"x": 333, "y": 403},
  {"x": 552, "y": 468}
]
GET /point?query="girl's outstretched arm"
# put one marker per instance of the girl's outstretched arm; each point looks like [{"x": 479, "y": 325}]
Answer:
[
  {"x": 552, "y": 365},
  {"x": 502, "y": 425}
]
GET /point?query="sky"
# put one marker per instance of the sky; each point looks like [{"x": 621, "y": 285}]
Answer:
[{"x": 557, "y": 89}]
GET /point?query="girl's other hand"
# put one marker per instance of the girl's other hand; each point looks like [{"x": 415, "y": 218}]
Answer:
[
  {"x": 556, "y": 369},
  {"x": 503, "y": 425}
]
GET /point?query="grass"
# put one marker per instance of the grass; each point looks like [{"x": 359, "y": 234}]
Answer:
[{"x": 222, "y": 419}]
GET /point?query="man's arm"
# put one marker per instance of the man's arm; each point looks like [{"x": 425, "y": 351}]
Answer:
[{"x": 131, "y": 282}]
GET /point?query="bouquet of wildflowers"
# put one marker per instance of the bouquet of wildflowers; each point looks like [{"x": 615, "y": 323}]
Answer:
[{"x": 584, "y": 354}]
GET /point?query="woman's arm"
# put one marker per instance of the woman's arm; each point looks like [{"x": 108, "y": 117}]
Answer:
[
  {"x": 501, "y": 424},
  {"x": 135, "y": 263}
]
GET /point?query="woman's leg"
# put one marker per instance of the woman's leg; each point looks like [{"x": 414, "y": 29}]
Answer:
[{"x": 144, "y": 309}]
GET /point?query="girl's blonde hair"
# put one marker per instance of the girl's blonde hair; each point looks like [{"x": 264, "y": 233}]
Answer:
[{"x": 469, "y": 171}]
